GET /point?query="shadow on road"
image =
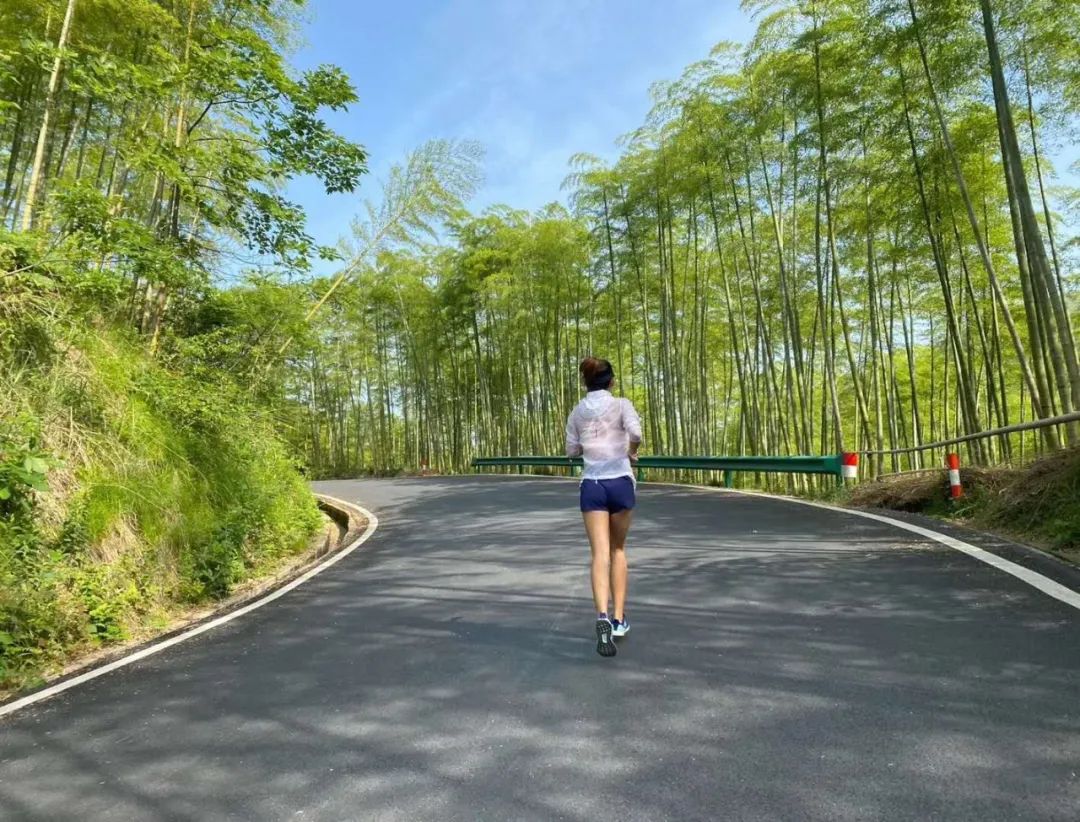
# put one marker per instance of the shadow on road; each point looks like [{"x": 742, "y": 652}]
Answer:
[{"x": 785, "y": 663}]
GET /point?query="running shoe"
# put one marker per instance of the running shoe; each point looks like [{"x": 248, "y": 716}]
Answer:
[
  {"x": 620, "y": 627},
  {"x": 605, "y": 646}
]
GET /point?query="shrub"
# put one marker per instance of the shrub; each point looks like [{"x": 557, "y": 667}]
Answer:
[{"x": 128, "y": 487}]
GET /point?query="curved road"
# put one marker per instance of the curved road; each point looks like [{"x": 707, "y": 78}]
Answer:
[{"x": 786, "y": 662}]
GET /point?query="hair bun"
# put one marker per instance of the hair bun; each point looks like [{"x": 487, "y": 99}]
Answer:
[{"x": 596, "y": 373}]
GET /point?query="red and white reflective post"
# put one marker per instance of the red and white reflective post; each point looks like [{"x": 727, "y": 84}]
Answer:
[
  {"x": 956, "y": 490},
  {"x": 849, "y": 466}
]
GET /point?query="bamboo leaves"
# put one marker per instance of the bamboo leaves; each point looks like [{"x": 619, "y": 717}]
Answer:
[{"x": 812, "y": 244}]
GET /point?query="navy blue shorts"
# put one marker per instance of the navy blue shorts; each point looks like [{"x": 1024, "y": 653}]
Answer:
[{"x": 611, "y": 495}]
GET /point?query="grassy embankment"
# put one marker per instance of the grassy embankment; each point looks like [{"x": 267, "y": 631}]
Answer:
[
  {"x": 1037, "y": 504},
  {"x": 132, "y": 485}
]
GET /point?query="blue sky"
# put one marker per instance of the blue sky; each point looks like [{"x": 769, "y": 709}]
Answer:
[{"x": 535, "y": 82}]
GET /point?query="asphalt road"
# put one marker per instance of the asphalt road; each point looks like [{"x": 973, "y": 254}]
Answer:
[{"x": 785, "y": 663}]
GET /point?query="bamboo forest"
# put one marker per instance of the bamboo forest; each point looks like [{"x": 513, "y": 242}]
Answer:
[{"x": 845, "y": 234}]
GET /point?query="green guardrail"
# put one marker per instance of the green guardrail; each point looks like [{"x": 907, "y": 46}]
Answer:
[{"x": 728, "y": 465}]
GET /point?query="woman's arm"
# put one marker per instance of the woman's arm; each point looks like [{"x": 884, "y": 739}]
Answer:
[
  {"x": 632, "y": 425},
  {"x": 573, "y": 439}
]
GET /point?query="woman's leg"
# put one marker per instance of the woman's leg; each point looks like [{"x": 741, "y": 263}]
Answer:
[
  {"x": 620, "y": 527},
  {"x": 597, "y": 526}
]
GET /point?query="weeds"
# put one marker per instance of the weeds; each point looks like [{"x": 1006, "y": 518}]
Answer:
[
  {"x": 1037, "y": 503},
  {"x": 127, "y": 488}
]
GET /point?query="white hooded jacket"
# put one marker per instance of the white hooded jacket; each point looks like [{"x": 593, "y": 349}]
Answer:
[{"x": 600, "y": 429}]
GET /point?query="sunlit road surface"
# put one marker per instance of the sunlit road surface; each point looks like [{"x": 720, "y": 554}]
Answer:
[{"x": 785, "y": 663}]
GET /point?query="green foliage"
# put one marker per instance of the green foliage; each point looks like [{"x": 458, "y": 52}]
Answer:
[
  {"x": 172, "y": 132},
  {"x": 1037, "y": 503},
  {"x": 173, "y": 488},
  {"x": 807, "y": 247},
  {"x": 141, "y": 466},
  {"x": 1040, "y": 502},
  {"x": 22, "y": 470}
]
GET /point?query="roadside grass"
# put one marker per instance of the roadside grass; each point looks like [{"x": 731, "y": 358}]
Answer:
[
  {"x": 130, "y": 490},
  {"x": 1038, "y": 504}
]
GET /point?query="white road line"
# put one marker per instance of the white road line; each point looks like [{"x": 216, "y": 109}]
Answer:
[
  {"x": 94, "y": 673},
  {"x": 1032, "y": 578}
]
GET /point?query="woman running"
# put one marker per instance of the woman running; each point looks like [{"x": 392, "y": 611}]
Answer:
[{"x": 606, "y": 432}]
